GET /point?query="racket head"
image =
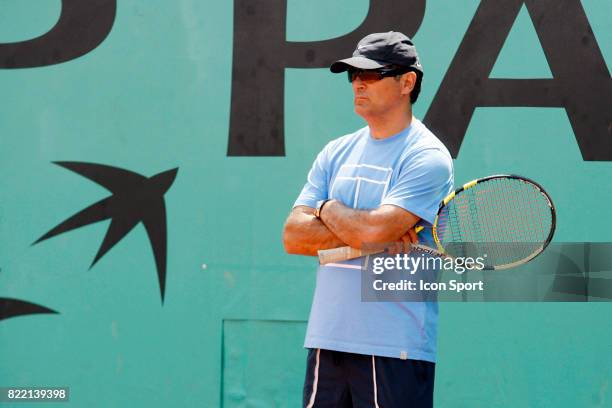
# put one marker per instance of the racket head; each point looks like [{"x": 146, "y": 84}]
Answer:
[{"x": 509, "y": 218}]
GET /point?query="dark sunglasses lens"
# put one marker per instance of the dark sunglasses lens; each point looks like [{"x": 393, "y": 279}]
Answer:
[{"x": 365, "y": 76}]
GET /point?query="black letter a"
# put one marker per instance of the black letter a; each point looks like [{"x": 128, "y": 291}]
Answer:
[{"x": 581, "y": 82}]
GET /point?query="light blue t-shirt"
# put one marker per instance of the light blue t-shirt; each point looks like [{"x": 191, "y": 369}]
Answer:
[{"x": 412, "y": 170}]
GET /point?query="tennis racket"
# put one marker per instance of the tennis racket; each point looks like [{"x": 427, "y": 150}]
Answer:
[{"x": 507, "y": 219}]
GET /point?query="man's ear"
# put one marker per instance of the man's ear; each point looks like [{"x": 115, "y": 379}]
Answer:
[{"x": 408, "y": 81}]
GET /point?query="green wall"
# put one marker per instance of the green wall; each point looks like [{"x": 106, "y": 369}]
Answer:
[{"x": 155, "y": 95}]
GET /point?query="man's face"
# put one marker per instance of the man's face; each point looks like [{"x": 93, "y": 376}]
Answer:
[{"x": 375, "y": 97}]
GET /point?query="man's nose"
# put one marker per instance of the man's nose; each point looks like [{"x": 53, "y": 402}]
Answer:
[{"x": 358, "y": 83}]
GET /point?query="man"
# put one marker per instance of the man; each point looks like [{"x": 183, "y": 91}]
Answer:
[{"x": 371, "y": 186}]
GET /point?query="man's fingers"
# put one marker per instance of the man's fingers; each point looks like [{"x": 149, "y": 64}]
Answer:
[
  {"x": 405, "y": 242},
  {"x": 413, "y": 236},
  {"x": 410, "y": 237},
  {"x": 395, "y": 248}
]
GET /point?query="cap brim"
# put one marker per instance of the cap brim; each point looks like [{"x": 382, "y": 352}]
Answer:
[{"x": 354, "y": 62}]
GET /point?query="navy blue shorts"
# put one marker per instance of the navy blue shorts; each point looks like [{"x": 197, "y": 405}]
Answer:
[{"x": 345, "y": 380}]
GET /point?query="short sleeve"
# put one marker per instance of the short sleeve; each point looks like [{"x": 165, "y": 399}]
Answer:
[
  {"x": 317, "y": 181},
  {"x": 422, "y": 183}
]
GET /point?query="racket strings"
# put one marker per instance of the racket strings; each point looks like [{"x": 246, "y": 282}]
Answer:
[{"x": 506, "y": 218}]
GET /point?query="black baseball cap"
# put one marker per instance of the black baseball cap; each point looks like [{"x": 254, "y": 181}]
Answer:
[{"x": 379, "y": 50}]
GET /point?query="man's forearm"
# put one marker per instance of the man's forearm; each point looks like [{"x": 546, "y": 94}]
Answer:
[
  {"x": 359, "y": 227},
  {"x": 305, "y": 234}
]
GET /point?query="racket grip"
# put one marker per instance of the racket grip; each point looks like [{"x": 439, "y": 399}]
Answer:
[{"x": 344, "y": 253}]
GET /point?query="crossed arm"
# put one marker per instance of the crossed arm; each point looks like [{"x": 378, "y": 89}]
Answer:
[{"x": 339, "y": 225}]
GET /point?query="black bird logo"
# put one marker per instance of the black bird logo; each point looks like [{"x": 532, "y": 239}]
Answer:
[
  {"x": 15, "y": 307},
  {"x": 135, "y": 198}
]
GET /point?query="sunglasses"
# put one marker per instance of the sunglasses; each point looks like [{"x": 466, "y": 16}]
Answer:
[{"x": 373, "y": 75}]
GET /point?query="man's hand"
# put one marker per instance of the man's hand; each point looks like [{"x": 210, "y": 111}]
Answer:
[
  {"x": 410, "y": 237},
  {"x": 404, "y": 244},
  {"x": 305, "y": 234}
]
